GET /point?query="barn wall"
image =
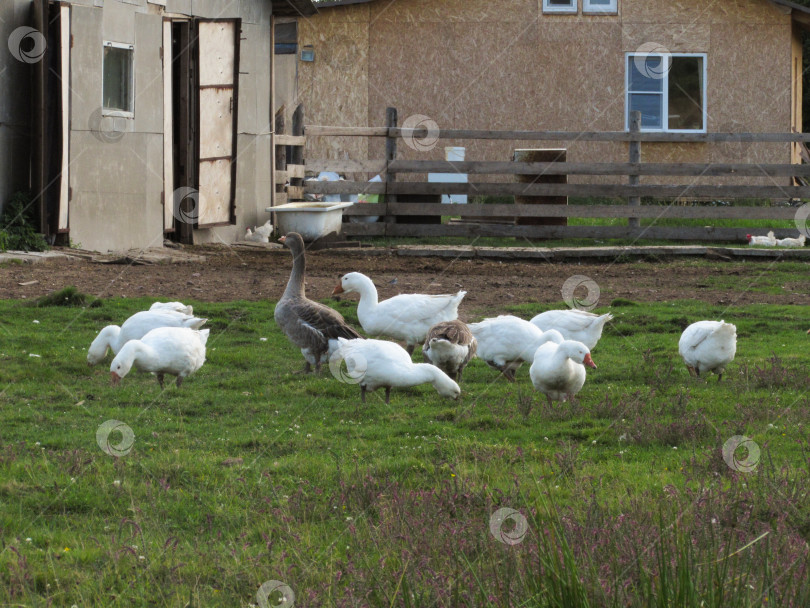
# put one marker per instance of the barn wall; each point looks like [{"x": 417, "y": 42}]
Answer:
[
  {"x": 503, "y": 64},
  {"x": 117, "y": 185}
]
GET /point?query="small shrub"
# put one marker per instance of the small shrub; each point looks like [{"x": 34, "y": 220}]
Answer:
[
  {"x": 69, "y": 296},
  {"x": 17, "y": 223}
]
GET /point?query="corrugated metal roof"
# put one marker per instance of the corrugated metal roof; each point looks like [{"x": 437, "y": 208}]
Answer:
[{"x": 293, "y": 8}]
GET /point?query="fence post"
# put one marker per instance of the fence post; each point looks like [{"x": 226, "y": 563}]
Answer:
[
  {"x": 280, "y": 155},
  {"x": 390, "y": 155},
  {"x": 635, "y": 157},
  {"x": 297, "y": 152}
]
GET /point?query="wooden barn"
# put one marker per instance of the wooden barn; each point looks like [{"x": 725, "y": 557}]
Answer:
[
  {"x": 135, "y": 120},
  {"x": 569, "y": 65}
]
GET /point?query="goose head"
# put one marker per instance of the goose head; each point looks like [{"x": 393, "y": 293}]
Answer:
[
  {"x": 353, "y": 281},
  {"x": 293, "y": 241},
  {"x": 122, "y": 363},
  {"x": 577, "y": 352}
]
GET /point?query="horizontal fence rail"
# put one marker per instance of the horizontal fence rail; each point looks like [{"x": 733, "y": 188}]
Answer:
[
  {"x": 614, "y": 136},
  {"x": 413, "y": 209}
]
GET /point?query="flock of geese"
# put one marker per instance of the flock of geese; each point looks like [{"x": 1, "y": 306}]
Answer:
[{"x": 557, "y": 344}]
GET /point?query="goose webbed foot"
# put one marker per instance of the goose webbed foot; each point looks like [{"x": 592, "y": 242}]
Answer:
[
  {"x": 387, "y": 394},
  {"x": 305, "y": 370},
  {"x": 160, "y": 380},
  {"x": 363, "y": 394}
]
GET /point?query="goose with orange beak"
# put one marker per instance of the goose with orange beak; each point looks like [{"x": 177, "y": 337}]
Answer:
[{"x": 558, "y": 370}]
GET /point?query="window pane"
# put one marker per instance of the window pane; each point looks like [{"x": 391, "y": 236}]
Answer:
[
  {"x": 686, "y": 93},
  {"x": 117, "y": 79},
  {"x": 561, "y": 3},
  {"x": 646, "y": 72},
  {"x": 650, "y": 106}
]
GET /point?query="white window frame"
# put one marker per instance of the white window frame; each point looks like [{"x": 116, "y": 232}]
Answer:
[
  {"x": 114, "y": 111},
  {"x": 568, "y": 10},
  {"x": 600, "y": 9},
  {"x": 665, "y": 93}
]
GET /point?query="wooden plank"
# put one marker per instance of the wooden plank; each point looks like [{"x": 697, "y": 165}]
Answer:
[
  {"x": 290, "y": 140},
  {"x": 297, "y": 171},
  {"x": 583, "y": 190},
  {"x": 634, "y": 159},
  {"x": 583, "y": 211},
  {"x": 352, "y": 166},
  {"x": 514, "y": 168},
  {"x": 566, "y": 232},
  {"x": 295, "y": 193},
  {"x": 319, "y": 130},
  {"x": 592, "y": 211},
  {"x": 374, "y": 229}
]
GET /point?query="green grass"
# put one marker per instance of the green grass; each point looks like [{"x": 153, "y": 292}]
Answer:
[{"x": 250, "y": 472}]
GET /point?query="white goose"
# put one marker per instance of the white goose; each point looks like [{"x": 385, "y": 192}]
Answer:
[
  {"x": 405, "y": 317},
  {"x": 708, "y": 346},
  {"x": 376, "y": 363},
  {"x": 505, "y": 342},
  {"x": 178, "y": 351},
  {"x": 579, "y": 325},
  {"x": 136, "y": 327},
  {"x": 558, "y": 370},
  {"x": 173, "y": 307}
]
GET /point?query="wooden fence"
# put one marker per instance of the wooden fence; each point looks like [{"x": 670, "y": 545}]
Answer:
[{"x": 404, "y": 199}]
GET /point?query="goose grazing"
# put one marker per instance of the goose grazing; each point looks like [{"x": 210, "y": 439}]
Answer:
[
  {"x": 376, "y": 363},
  {"x": 173, "y": 307},
  {"x": 449, "y": 346},
  {"x": 178, "y": 351},
  {"x": 558, "y": 370},
  {"x": 135, "y": 328},
  {"x": 312, "y": 327},
  {"x": 406, "y": 317},
  {"x": 708, "y": 346},
  {"x": 505, "y": 342},
  {"x": 579, "y": 325}
]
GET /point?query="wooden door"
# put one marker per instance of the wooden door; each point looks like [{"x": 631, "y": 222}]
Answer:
[{"x": 218, "y": 62}]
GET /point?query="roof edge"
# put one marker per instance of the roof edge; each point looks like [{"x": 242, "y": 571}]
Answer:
[
  {"x": 293, "y": 8},
  {"x": 334, "y": 3}
]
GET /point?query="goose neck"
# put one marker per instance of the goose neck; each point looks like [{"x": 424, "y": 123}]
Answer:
[{"x": 295, "y": 286}]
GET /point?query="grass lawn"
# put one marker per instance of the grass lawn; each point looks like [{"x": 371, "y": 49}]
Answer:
[{"x": 252, "y": 473}]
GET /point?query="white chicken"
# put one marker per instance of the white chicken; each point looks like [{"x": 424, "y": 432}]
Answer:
[
  {"x": 789, "y": 242},
  {"x": 769, "y": 240}
]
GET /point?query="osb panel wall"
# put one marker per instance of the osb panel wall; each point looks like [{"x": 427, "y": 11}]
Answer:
[
  {"x": 334, "y": 88},
  {"x": 503, "y": 64}
]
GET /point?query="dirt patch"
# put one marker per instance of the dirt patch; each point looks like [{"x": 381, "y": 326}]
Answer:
[{"x": 228, "y": 274}]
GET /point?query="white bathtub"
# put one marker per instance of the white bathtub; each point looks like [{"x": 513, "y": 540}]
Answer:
[{"x": 311, "y": 220}]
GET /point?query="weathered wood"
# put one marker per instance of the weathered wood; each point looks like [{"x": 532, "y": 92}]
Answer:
[
  {"x": 390, "y": 154},
  {"x": 536, "y": 155},
  {"x": 290, "y": 140},
  {"x": 589, "y": 211},
  {"x": 289, "y": 172},
  {"x": 295, "y": 193},
  {"x": 374, "y": 229},
  {"x": 318, "y": 130},
  {"x": 634, "y": 158},
  {"x": 686, "y": 191},
  {"x": 514, "y": 168},
  {"x": 352, "y": 166},
  {"x": 676, "y": 233}
]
